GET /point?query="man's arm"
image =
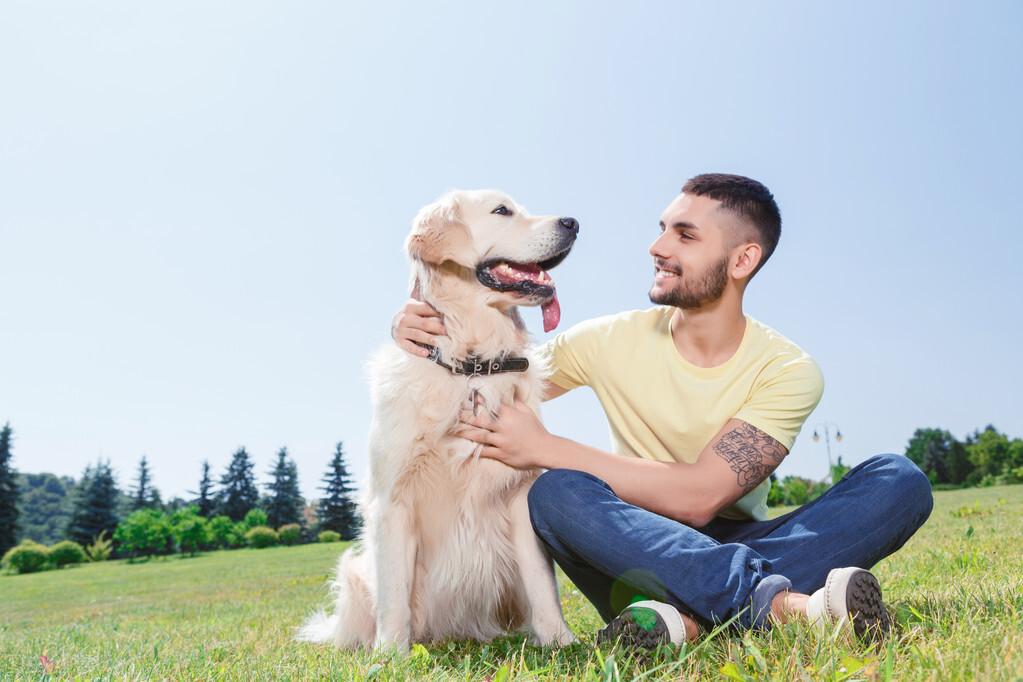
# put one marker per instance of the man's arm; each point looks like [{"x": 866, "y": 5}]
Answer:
[{"x": 735, "y": 461}]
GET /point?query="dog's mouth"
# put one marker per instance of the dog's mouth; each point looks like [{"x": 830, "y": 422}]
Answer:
[{"x": 528, "y": 279}]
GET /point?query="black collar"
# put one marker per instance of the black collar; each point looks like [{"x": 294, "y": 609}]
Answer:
[{"x": 474, "y": 365}]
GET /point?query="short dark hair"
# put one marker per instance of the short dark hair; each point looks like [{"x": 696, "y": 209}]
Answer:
[{"x": 747, "y": 198}]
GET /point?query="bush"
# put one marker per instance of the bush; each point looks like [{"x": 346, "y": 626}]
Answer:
[
  {"x": 28, "y": 557},
  {"x": 101, "y": 548},
  {"x": 190, "y": 530},
  {"x": 261, "y": 536},
  {"x": 219, "y": 530},
  {"x": 290, "y": 534},
  {"x": 66, "y": 553},
  {"x": 144, "y": 532},
  {"x": 237, "y": 537},
  {"x": 255, "y": 517},
  {"x": 329, "y": 536}
]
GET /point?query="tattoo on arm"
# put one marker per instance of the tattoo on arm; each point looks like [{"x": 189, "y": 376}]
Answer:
[{"x": 750, "y": 453}]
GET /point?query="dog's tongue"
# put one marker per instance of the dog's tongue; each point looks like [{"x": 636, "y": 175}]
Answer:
[{"x": 551, "y": 313}]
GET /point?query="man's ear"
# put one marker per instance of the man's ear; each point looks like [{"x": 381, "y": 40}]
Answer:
[
  {"x": 747, "y": 260},
  {"x": 438, "y": 233}
]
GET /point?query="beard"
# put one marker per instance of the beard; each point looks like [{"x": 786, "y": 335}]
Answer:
[{"x": 706, "y": 288}]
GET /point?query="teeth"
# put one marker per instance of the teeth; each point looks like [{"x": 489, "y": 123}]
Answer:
[{"x": 506, "y": 270}]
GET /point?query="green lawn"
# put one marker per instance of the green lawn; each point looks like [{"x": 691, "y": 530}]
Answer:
[{"x": 956, "y": 589}]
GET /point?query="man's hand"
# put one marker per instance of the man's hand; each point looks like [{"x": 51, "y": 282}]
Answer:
[
  {"x": 417, "y": 321},
  {"x": 514, "y": 435}
]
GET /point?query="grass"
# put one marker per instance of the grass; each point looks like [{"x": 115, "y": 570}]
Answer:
[{"x": 956, "y": 590}]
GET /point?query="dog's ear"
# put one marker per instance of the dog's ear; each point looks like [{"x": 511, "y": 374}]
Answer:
[{"x": 438, "y": 233}]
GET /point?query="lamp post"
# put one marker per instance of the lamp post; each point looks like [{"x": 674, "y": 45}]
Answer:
[{"x": 826, "y": 427}]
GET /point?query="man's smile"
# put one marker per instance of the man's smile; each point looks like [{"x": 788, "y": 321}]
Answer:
[{"x": 664, "y": 273}]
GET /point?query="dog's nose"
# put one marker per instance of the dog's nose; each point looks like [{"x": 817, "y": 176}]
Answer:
[{"x": 570, "y": 224}]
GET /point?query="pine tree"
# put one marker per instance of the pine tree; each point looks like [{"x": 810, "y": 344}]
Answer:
[
  {"x": 8, "y": 493},
  {"x": 205, "y": 500},
  {"x": 238, "y": 493},
  {"x": 338, "y": 511},
  {"x": 95, "y": 505},
  {"x": 285, "y": 503},
  {"x": 145, "y": 495}
]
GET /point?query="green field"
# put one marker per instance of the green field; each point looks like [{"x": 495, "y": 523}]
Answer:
[{"x": 956, "y": 589}]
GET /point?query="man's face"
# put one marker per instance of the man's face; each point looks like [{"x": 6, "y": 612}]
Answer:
[{"x": 691, "y": 256}]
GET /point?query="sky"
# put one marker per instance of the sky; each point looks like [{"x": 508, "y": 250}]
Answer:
[{"x": 202, "y": 205}]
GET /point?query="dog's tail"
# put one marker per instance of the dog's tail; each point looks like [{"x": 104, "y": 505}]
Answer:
[
  {"x": 352, "y": 624},
  {"x": 319, "y": 628}
]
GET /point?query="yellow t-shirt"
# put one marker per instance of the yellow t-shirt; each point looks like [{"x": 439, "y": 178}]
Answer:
[{"x": 660, "y": 406}]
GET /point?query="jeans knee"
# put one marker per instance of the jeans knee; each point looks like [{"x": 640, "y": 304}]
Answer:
[
  {"x": 557, "y": 490},
  {"x": 910, "y": 484}
]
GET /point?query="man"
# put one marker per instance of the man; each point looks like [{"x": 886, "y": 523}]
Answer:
[{"x": 670, "y": 533}]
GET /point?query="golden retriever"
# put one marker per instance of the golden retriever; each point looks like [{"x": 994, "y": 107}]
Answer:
[{"x": 447, "y": 551}]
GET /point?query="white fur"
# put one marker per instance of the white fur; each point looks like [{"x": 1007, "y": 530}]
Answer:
[{"x": 447, "y": 550}]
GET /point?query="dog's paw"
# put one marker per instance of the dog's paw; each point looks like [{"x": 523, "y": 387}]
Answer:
[
  {"x": 397, "y": 645},
  {"x": 558, "y": 638}
]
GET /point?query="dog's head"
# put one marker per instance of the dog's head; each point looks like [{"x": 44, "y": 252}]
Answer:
[{"x": 489, "y": 234}]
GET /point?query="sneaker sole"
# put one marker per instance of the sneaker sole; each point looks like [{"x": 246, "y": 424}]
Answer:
[
  {"x": 624, "y": 629},
  {"x": 865, "y": 607}
]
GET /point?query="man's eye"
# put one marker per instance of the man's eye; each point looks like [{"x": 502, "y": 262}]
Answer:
[{"x": 502, "y": 210}]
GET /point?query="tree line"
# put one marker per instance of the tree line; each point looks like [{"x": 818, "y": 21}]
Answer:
[
  {"x": 219, "y": 513},
  {"x": 985, "y": 457},
  {"x": 95, "y": 506}
]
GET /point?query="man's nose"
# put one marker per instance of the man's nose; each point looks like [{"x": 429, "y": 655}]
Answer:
[
  {"x": 570, "y": 224},
  {"x": 655, "y": 248}
]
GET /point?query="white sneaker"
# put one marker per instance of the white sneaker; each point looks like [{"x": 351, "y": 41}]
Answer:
[
  {"x": 645, "y": 624},
  {"x": 851, "y": 594}
]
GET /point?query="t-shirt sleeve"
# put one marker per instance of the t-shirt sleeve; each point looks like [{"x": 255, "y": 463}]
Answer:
[
  {"x": 572, "y": 356},
  {"x": 781, "y": 402}
]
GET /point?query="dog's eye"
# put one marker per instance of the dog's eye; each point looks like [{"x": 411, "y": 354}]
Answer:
[{"x": 502, "y": 210}]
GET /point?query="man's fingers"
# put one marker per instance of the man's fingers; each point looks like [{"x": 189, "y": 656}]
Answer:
[
  {"x": 421, "y": 337},
  {"x": 410, "y": 347},
  {"x": 481, "y": 420},
  {"x": 421, "y": 309},
  {"x": 475, "y": 435},
  {"x": 475, "y": 422},
  {"x": 434, "y": 326},
  {"x": 410, "y": 323},
  {"x": 490, "y": 452}
]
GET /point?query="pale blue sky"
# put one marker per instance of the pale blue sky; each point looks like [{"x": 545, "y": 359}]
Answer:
[{"x": 202, "y": 204}]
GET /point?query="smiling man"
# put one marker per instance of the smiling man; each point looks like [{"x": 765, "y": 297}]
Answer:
[{"x": 670, "y": 533}]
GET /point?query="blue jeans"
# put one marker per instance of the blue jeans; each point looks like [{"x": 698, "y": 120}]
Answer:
[{"x": 616, "y": 552}]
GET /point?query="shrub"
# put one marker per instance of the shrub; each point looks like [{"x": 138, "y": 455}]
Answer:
[
  {"x": 101, "y": 548},
  {"x": 237, "y": 536},
  {"x": 66, "y": 553},
  {"x": 190, "y": 530},
  {"x": 144, "y": 532},
  {"x": 329, "y": 536},
  {"x": 290, "y": 534},
  {"x": 219, "y": 529},
  {"x": 261, "y": 536},
  {"x": 255, "y": 517},
  {"x": 28, "y": 557}
]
